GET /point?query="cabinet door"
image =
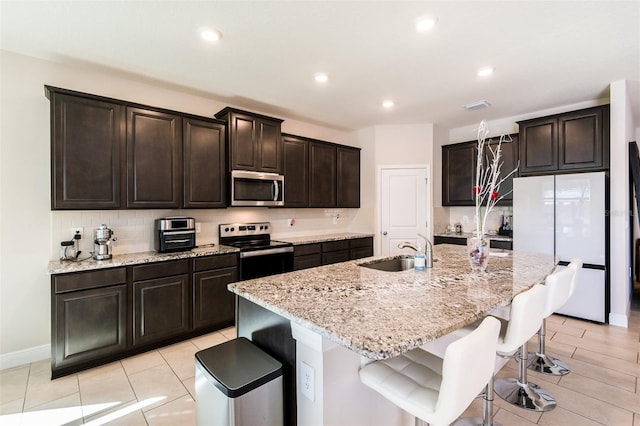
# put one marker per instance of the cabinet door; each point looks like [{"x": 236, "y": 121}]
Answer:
[
  {"x": 243, "y": 142},
  {"x": 213, "y": 304},
  {"x": 538, "y": 146},
  {"x": 269, "y": 146},
  {"x": 154, "y": 159},
  {"x": 204, "y": 170},
  {"x": 322, "y": 175},
  {"x": 88, "y": 325},
  {"x": 87, "y": 138},
  {"x": 458, "y": 174},
  {"x": 160, "y": 309},
  {"x": 348, "y": 183},
  {"x": 581, "y": 140},
  {"x": 509, "y": 160},
  {"x": 296, "y": 190},
  {"x": 361, "y": 247}
]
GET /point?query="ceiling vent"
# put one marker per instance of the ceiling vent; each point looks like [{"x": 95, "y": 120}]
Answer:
[{"x": 477, "y": 105}]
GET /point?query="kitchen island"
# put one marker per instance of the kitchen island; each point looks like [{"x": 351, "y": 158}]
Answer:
[{"x": 343, "y": 315}]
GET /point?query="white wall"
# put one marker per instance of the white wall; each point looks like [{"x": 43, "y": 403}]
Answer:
[
  {"x": 30, "y": 233},
  {"x": 623, "y": 131}
]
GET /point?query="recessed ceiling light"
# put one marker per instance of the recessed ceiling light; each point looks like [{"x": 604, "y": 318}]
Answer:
[
  {"x": 321, "y": 77},
  {"x": 388, "y": 104},
  {"x": 425, "y": 23},
  {"x": 485, "y": 71},
  {"x": 210, "y": 34}
]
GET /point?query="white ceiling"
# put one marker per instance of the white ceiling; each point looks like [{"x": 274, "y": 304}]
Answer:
[{"x": 546, "y": 54}]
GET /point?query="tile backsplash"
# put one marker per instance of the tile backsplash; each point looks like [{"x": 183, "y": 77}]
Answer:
[
  {"x": 133, "y": 229},
  {"x": 466, "y": 217}
]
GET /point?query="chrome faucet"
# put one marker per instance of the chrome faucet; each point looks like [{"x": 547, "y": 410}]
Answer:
[
  {"x": 408, "y": 245},
  {"x": 428, "y": 250}
]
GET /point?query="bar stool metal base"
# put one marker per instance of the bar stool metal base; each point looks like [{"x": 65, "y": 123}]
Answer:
[
  {"x": 544, "y": 364},
  {"x": 528, "y": 395}
]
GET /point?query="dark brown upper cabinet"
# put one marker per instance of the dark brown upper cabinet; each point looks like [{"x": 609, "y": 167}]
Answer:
[
  {"x": 254, "y": 141},
  {"x": 458, "y": 174},
  {"x": 204, "y": 164},
  {"x": 87, "y": 142},
  {"x": 573, "y": 141},
  {"x": 348, "y": 177},
  {"x": 459, "y": 171},
  {"x": 296, "y": 171},
  {"x": 322, "y": 175},
  {"x": 154, "y": 159}
]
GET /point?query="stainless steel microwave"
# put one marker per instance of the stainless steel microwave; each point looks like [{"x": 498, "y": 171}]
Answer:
[{"x": 256, "y": 189}]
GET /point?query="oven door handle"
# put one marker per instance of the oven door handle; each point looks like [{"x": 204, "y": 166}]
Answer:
[
  {"x": 179, "y": 232},
  {"x": 275, "y": 191},
  {"x": 177, "y": 241},
  {"x": 256, "y": 253}
]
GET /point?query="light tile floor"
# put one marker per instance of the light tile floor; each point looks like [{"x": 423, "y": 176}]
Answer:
[{"x": 157, "y": 387}]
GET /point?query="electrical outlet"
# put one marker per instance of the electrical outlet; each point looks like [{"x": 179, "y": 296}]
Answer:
[
  {"x": 307, "y": 381},
  {"x": 77, "y": 230},
  {"x": 198, "y": 228}
]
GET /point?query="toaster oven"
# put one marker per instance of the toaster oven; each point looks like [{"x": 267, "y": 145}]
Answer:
[{"x": 173, "y": 234}]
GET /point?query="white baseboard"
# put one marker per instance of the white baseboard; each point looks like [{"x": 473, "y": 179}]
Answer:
[
  {"x": 26, "y": 356},
  {"x": 619, "y": 320}
]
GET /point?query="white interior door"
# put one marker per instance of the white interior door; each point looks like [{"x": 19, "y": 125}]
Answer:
[{"x": 404, "y": 209}]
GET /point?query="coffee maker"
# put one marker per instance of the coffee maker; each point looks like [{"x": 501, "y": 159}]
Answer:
[{"x": 102, "y": 238}]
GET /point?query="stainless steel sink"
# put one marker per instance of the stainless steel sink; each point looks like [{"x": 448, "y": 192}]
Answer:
[{"x": 394, "y": 264}]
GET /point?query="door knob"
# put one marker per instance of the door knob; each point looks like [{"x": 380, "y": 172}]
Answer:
[{"x": 384, "y": 233}]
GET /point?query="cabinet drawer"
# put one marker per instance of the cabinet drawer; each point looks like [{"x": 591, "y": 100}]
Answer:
[
  {"x": 361, "y": 242},
  {"x": 501, "y": 244},
  {"x": 161, "y": 269},
  {"x": 306, "y": 249},
  {"x": 360, "y": 252},
  {"x": 335, "y": 257},
  {"x": 461, "y": 241},
  {"x": 87, "y": 280},
  {"x": 307, "y": 261},
  {"x": 215, "y": 262},
  {"x": 335, "y": 245}
]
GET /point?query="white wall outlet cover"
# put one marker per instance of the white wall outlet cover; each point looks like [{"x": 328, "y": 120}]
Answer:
[
  {"x": 198, "y": 227},
  {"x": 291, "y": 222},
  {"x": 307, "y": 381}
]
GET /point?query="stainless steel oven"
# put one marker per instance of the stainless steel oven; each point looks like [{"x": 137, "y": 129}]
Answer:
[
  {"x": 173, "y": 234},
  {"x": 259, "y": 254},
  {"x": 256, "y": 189}
]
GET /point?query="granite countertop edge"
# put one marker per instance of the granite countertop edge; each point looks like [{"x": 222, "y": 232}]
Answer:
[
  {"x": 65, "y": 267},
  {"x": 323, "y": 238},
  {"x": 465, "y": 235}
]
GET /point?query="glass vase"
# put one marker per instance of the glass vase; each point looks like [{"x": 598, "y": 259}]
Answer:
[{"x": 478, "y": 250}]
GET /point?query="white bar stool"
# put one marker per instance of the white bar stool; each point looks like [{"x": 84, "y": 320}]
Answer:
[
  {"x": 525, "y": 320},
  {"x": 559, "y": 289},
  {"x": 437, "y": 390}
]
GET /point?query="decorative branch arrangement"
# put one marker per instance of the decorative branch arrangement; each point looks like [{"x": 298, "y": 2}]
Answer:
[{"x": 488, "y": 180}]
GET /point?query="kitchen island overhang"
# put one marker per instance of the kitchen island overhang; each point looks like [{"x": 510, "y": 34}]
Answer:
[{"x": 332, "y": 319}]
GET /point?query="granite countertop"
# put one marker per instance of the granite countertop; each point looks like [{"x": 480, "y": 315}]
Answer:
[
  {"x": 471, "y": 234},
  {"x": 64, "y": 267},
  {"x": 383, "y": 314},
  {"x": 322, "y": 238}
]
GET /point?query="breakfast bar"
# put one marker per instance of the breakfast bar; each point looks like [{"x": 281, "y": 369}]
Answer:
[{"x": 328, "y": 321}]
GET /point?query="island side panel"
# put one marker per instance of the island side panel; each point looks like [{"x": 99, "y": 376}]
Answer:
[{"x": 271, "y": 333}]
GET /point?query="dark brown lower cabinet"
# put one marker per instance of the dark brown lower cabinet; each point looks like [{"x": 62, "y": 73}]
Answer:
[
  {"x": 335, "y": 251},
  {"x": 89, "y": 317},
  {"x": 213, "y": 303},
  {"x": 360, "y": 247},
  {"x": 161, "y": 303},
  {"x": 307, "y": 256}
]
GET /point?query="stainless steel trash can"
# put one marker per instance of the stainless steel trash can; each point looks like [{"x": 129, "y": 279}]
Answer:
[{"x": 237, "y": 383}]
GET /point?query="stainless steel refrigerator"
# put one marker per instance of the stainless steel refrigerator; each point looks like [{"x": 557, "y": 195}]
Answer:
[{"x": 566, "y": 215}]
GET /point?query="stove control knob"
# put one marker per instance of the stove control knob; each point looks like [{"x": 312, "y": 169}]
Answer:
[
  {"x": 266, "y": 227},
  {"x": 261, "y": 227},
  {"x": 226, "y": 229},
  {"x": 233, "y": 229}
]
